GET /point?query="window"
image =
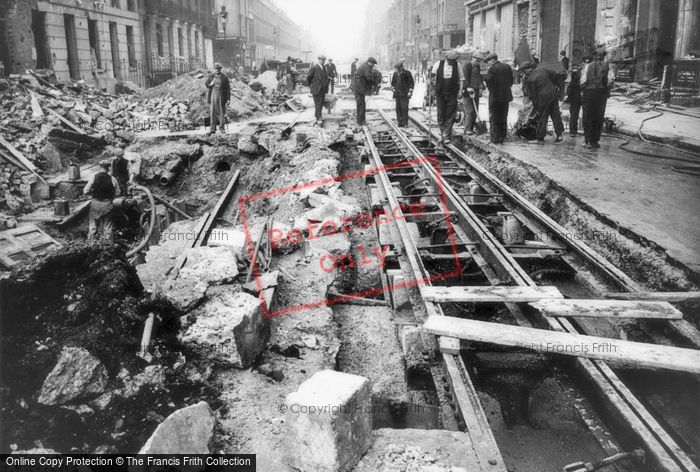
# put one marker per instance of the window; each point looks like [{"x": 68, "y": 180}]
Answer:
[
  {"x": 41, "y": 42},
  {"x": 131, "y": 5},
  {"x": 94, "y": 43},
  {"x": 115, "y": 4},
  {"x": 180, "y": 42},
  {"x": 196, "y": 44},
  {"x": 159, "y": 39},
  {"x": 130, "y": 48}
]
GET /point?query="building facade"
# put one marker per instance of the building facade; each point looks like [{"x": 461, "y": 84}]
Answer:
[
  {"x": 411, "y": 29},
  {"x": 107, "y": 42},
  {"x": 640, "y": 36}
]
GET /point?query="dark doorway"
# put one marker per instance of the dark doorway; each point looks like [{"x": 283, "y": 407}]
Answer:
[
  {"x": 114, "y": 41},
  {"x": 41, "y": 43},
  {"x": 94, "y": 43},
  {"x": 71, "y": 47},
  {"x": 667, "y": 34},
  {"x": 583, "y": 44},
  {"x": 549, "y": 21}
]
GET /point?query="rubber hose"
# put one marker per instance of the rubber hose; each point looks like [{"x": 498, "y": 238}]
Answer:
[{"x": 151, "y": 225}]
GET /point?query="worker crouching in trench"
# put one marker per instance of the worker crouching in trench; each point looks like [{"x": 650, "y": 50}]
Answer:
[
  {"x": 103, "y": 188},
  {"x": 218, "y": 96}
]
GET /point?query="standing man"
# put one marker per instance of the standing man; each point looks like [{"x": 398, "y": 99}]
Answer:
[
  {"x": 291, "y": 72},
  {"x": 449, "y": 78},
  {"x": 332, "y": 74},
  {"x": 353, "y": 69},
  {"x": 596, "y": 78},
  {"x": 104, "y": 188},
  {"x": 120, "y": 171},
  {"x": 545, "y": 100},
  {"x": 573, "y": 98},
  {"x": 473, "y": 85},
  {"x": 317, "y": 80},
  {"x": 363, "y": 85},
  {"x": 402, "y": 84},
  {"x": 218, "y": 96},
  {"x": 499, "y": 80},
  {"x": 563, "y": 60}
]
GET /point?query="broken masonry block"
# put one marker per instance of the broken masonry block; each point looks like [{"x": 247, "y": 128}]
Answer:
[
  {"x": 329, "y": 422},
  {"x": 188, "y": 430},
  {"x": 230, "y": 327}
]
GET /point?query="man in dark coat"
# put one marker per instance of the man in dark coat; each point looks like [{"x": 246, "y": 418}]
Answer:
[
  {"x": 332, "y": 74},
  {"x": 353, "y": 69},
  {"x": 473, "y": 85},
  {"x": 499, "y": 80},
  {"x": 596, "y": 79},
  {"x": 218, "y": 97},
  {"x": 402, "y": 84},
  {"x": 573, "y": 98},
  {"x": 317, "y": 80},
  {"x": 540, "y": 88},
  {"x": 449, "y": 79},
  {"x": 364, "y": 84}
]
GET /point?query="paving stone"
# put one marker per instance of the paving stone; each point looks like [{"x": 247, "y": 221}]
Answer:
[
  {"x": 77, "y": 374},
  {"x": 336, "y": 437}
]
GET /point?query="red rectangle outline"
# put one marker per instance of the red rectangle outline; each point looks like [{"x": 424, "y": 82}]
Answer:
[{"x": 365, "y": 293}]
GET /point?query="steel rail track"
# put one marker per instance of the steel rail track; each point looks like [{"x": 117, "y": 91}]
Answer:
[{"x": 500, "y": 267}]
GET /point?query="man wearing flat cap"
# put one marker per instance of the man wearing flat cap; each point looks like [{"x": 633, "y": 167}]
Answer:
[
  {"x": 499, "y": 80},
  {"x": 364, "y": 84},
  {"x": 103, "y": 188},
  {"x": 402, "y": 84},
  {"x": 596, "y": 80},
  {"x": 317, "y": 80},
  {"x": 448, "y": 79},
  {"x": 473, "y": 85},
  {"x": 540, "y": 88},
  {"x": 218, "y": 96}
]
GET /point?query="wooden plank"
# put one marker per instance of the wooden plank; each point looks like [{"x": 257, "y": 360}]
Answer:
[
  {"x": 18, "y": 156},
  {"x": 216, "y": 211},
  {"x": 66, "y": 122},
  {"x": 633, "y": 354},
  {"x": 488, "y": 294},
  {"x": 658, "y": 296},
  {"x": 608, "y": 309}
]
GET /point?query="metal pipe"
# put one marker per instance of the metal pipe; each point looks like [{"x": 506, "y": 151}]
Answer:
[{"x": 151, "y": 224}]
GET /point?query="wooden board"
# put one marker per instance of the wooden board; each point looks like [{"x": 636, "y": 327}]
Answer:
[
  {"x": 18, "y": 155},
  {"x": 23, "y": 243},
  {"x": 658, "y": 296},
  {"x": 66, "y": 122},
  {"x": 633, "y": 354},
  {"x": 488, "y": 294},
  {"x": 608, "y": 309}
]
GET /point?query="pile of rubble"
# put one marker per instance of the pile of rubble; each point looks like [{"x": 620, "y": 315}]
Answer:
[
  {"x": 73, "y": 379},
  {"x": 15, "y": 189}
]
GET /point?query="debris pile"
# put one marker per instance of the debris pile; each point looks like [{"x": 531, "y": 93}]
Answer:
[
  {"x": 15, "y": 189},
  {"x": 72, "y": 379}
]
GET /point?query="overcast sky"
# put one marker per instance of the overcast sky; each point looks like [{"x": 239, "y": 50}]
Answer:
[{"x": 338, "y": 24}]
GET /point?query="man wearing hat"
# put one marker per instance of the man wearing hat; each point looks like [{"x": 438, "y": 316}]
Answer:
[
  {"x": 218, "y": 96},
  {"x": 596, "y": 80},
  {"x": 317, "y": 80},
  {"x": 402, "y": 84},
  {"x": 449, "y": 78},
  {"x": 473, "y": 85},
  {"x": 539, "y": 87},
  {"x": 364, "y": 84},
  {"x": 499, "y": 80},
  {"x": 332, "y": 74},
  {"x": 103, "y": 188}
]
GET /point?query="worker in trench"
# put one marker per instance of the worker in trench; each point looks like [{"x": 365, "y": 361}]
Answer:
[
  {"x": 218, "y": 96},
  {"x": 103, "y": 188}
]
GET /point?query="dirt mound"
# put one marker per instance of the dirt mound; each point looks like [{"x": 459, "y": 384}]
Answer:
[
  {"x": 87, "y": 297},
  {"x": 186, "y": 96}
]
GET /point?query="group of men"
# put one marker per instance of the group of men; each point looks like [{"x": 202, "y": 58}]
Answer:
[{"x": 587, "y": 90}]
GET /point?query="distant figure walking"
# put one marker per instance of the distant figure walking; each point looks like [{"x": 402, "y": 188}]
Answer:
[
  {"x": 218, "y": 96},
  {"x": 563, "y": 60},
  {"x": 317, "y": 80},
  {"x": 402, "y": 84},
  {"x": 353, "y": 70},
  {"x": 332, "y": 74},
  {"x": 499, "y": 80},
  {"x": 573, "y": 98}
]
